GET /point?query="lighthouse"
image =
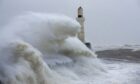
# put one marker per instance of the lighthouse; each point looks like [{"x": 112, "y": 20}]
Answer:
[{"x": 81, "y": 19}]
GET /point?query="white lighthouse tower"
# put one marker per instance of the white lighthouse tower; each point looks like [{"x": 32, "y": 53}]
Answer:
[{"x": 81, "y": 19}]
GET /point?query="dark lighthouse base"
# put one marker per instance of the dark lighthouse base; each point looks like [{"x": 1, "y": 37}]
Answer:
[{"x": 88, "y": 44}]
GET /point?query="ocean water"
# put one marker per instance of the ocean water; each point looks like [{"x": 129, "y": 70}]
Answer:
[{"x": 38, "y": 48}]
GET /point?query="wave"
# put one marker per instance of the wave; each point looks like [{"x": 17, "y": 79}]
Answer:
[{"x": 39, "y": 48}]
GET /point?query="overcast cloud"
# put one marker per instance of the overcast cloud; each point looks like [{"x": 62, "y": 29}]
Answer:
[{"x": 108, "y": 22}]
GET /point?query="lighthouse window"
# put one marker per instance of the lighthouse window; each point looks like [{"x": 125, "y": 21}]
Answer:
[{"x": 80, "y": 16}]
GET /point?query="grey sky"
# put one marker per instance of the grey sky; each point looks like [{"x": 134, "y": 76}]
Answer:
[{"x": 108, "y": 22}]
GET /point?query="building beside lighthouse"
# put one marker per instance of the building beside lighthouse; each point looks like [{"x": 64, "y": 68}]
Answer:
[{"x": 81, "y": 19}]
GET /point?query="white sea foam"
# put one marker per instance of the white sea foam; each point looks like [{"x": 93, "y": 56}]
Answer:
[{"x": 29, "y": 41}]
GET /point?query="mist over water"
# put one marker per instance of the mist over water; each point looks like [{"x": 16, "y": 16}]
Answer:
[{"x": 37, "y": 48}]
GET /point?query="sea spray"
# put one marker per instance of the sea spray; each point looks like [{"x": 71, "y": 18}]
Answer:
[
  {"x": 30, "y": 40},
  {"x": 29, "y": 68},
  {"x": 72, "y": 46},
  {"x": 40, "y": 30}
]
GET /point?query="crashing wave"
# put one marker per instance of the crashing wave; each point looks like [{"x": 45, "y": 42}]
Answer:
[{"x": 30, "y": 39}]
